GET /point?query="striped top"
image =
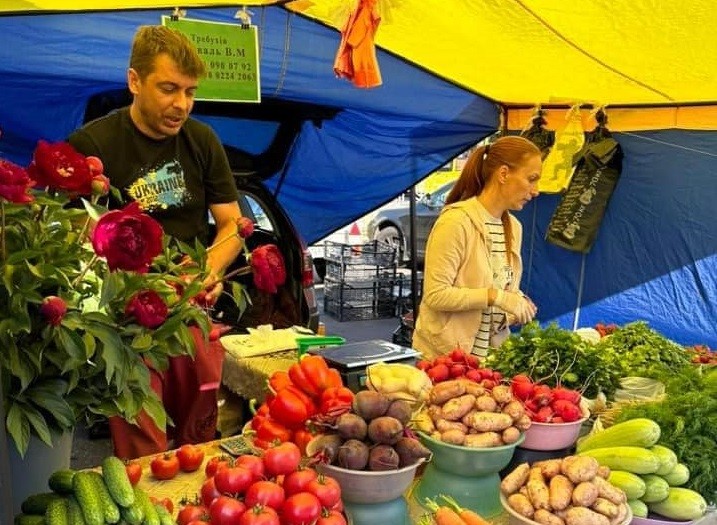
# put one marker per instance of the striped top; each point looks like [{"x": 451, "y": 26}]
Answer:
[{"x": 493, "y": 318}]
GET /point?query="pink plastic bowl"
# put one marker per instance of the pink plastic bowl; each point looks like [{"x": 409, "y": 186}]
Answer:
[{"x": 552, "y": 436}]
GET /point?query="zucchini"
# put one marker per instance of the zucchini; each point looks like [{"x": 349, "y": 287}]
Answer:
[
  {"x": 637, "y": 460},
  {"x": 165, "y": 518},
  {"x": 668, "y": 459},
  {"x": 134, "y": 514},
  {"x": 117, "y": 481},
  {"x": 38, "y": 503},
  {"x": 656, "y": 488},
  {"x": 89, "y": 498},
  {"x": 29, "y": 519},
  {"x": 74, "y": 512},
  {"x": 150, "y": 512},
  {"x": 60, "y": 481},
  {"x": 639, "y": 508},
  {"x": 679, "y": 475},
  {"x": 57, "y": 512},
  {"x": 631, "y": 484},
  {"x": 680, "y": 504},
  {"x": 638, "y": 432},
  {"x": 109, "y": 507}
]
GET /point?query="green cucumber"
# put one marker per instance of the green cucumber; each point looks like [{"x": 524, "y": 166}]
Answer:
[
  {"x": 74, "y": 512},
  {"x": 89, "y": 498},
  {"x": 656, "y": 488},
  {"x": 109, "y": 507},
  {"x": 117, "y": 481},
  {"x": 38, "y": 503},
  {"x": 29, "y": 519},
  {"x": 150, "y": 512},
  {"x": 639, "y": 508},
  {"x": 134, "y": 514},
  {"x": 165, "y": 518},
  {"x": 60, "y": 481},
  {"x": 57, "y": 512},
  {"x": 680, "y": 504},
  {"x": 678, "y": 476}
]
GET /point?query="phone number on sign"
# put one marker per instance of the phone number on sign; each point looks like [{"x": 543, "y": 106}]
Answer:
[{"x": 231, "y": 75}]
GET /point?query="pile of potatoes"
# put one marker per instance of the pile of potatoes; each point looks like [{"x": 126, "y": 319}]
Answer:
[
  {"x": 565, "y": 491},
  {"x": 371, "y": 436},
  {"x": 462, "y": 412}
]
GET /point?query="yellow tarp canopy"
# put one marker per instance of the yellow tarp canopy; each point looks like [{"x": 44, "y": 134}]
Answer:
[{"x": 521, "y": 53}]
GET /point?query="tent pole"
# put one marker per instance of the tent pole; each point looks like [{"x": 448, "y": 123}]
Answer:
[
  {"x": 414, "y": 265},
  {"x": 576, "y": 318},
  {"x": 5, "y": 474}
]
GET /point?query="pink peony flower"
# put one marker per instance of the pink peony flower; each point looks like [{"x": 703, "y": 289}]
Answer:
[
  {"x": 245, "y": 227},
  {"x": 14, "y": 183},
  {"x": 60, "y": 166},
  {"x": 53, "y": 309},
  {"x": 267, "y": 265},
  {"x": 148, "y": 308}
]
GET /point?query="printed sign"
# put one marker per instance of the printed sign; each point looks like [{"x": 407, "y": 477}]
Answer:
[{"x": 231, "y": 53}]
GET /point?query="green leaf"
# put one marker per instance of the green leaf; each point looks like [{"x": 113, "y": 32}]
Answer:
[
  {"x": 74, "y": 345},
  {"x": 38, "y": 424},
  {"x": 19, "y": 427},
  {"x": 19, "y": 367},
  {"x": 168, "y": 327},
  {"x": 50, "y": 395},
  {"x": 154, "y": 408},
  {"x": 112, "y": 286},
  {"x": 7, "y": 276},
  {"x": 94, "y": 211},
  {"x": 142, "y": 342}
]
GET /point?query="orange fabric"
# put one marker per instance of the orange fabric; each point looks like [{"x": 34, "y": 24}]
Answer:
[
  {"x": 356, "y": 56},
  {"x": 188, "y": 390}
]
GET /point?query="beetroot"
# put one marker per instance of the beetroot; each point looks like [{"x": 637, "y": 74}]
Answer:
[
  {"x": 410, "y": 450},
  {"x": 401, "y": 410},
  {"x": 370, "y": 404},
  {"x": 385, "y": 430},
  {"x": 351, "y": 426},
  {"x": 383, "y": 457},
  {"x": 353, "y": 455}
]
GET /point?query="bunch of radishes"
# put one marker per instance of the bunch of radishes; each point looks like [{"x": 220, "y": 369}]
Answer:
[
  {"x": 545, "y": 404},
  {"x": 459, "y": 364}
]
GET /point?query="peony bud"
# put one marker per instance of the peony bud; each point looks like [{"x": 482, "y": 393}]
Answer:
[
  {"x": 100, "y": 185},
  {"x": 245, "y": 227},
  {"x": 95, "y": 165},
  {"x": 148, "y": 308},
  {"x": 53, "y": 309}
]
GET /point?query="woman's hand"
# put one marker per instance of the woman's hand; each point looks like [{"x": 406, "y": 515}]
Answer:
[{"x": 516, "y": 304}]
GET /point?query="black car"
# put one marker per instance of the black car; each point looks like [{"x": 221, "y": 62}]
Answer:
[{"x": 393, "y": 225}]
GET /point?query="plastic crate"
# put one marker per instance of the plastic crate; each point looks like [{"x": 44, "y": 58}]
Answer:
[
  {"x": 380, "y": 309},
  {"x": 339, "y": 271},
  {"x": 374, "y": 253},
  {"x": 359, "y": 293}
]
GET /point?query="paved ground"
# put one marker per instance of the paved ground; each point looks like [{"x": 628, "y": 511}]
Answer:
[{"x": 88, "y": 452}]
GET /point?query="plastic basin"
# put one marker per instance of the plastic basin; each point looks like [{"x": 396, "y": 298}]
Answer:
[{"x": 552, "y": 436}]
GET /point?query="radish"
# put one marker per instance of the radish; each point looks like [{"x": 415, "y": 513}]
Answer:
[
  {"x": 543, "y": 394},
  {"x": 522, "y": 387},
  {"x": 544, "y": 415},
  {"x": 567, "y": 394}
]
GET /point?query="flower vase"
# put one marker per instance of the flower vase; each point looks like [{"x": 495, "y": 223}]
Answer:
[{"x": 29, "y": 474}]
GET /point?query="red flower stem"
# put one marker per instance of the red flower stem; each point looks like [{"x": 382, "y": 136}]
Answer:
[
  {"x": 222, "y": 241},
  {"x": 244, "y": 270},
  {"x": 84, "y": 271}
]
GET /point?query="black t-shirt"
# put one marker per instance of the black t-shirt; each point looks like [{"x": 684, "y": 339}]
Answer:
[{"x": 174, "y": 179}]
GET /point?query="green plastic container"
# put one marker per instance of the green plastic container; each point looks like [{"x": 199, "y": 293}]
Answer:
[{"x": 304, "y": 343}]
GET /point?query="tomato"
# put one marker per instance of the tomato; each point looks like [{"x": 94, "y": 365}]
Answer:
[
  {"x": 209, "y": 492},
  {"x": 190, "y": 513},
  {"x": 252, "y": 463},
  {"x": 297, "y": 481},
  {"x": 282, "y": 459},
  {"x": 260, "y": 515},
  {"x": 190, "y": 457},
  {"x": 265, "y": 493},
  {"x": 327, "y": 489},
  {"x": 226, "y": 510},
  {"x": 332, "y": 517},
  {"x": 233, "y": 480},
  {"x": 439, "y": 373},
  {"x": 165, "y": 466},
  {"x": 301, "y": 509},
  {"x": 198, "y": 522},
  {"x": 216, "y": 463},
  {"x": 134, "y": 471},
  {"x": 165, "y": 502}
]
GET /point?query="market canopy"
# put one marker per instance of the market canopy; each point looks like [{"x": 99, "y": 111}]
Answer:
[{"x": 452, "y": 72}]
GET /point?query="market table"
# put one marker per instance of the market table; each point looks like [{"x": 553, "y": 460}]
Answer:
[{"x": 188, "y": 485}]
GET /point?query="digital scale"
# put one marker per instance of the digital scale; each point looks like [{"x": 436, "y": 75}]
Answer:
[{"x": 352, "y": 359}]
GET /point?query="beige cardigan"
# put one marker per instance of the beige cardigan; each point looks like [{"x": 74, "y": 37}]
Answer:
[{"x": 456, "y": 278}]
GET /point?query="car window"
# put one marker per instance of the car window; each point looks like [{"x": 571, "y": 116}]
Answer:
[
  {"x": 439, "y": 198},
  {"x": 254, "y": 210}
]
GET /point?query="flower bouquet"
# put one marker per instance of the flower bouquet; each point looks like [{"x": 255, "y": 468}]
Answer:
[{"x": 89, "y": 298}]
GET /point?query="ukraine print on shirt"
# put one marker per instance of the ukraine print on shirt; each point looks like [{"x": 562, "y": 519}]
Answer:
[{"x": 160, "y": 188}]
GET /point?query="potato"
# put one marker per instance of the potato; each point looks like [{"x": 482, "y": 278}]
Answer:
[
  {"x": 502, "y": 394},
  {"x": 474, "y": 389},
  {"x": 424, "y": 423},
  {"x": 467, "y": 418},
  {"x": 521, "y": 505},
  {"x": 446, "y": 390},
  {"x": 536, "y": 474},
  {"x": 549, "y": 467},
  {"x": 483, "y": 440},
  {"x": 565, "y": 463},
  {"x": 582, "y": 468},
  {"x": 510, "y": 435},
  {"x": 609, "y": 491},
  {"x": 486, "y": 403},
  {"x": 584, "y": 516},
  {"x": 539, "y": 494},
  {"x": 454, "y": 437},
  {"x": 443, "y": 425},
  {"x": 621, "y": 514},
  {"x": 561, "y": 491},
  {"x": 490, "y": 421},
  {"x": 547, "y": 518},
  {"x": 523, "y": 423},
  {"x": 515, "y": 479},
  {"x": 605, "y": 507},
  {"x": 435, "y": 412},
  {"x": 514, "y": 409},
  {"x": 603, "y": 471},
  {"x": 454, "y": 409},
  {"x": 585, "y": 494}
]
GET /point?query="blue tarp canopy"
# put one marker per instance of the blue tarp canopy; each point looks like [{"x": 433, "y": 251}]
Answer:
[{"x": 654, "y": 258}]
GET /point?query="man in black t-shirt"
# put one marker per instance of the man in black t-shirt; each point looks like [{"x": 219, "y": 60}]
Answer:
[{"x": 176, "y": 169}]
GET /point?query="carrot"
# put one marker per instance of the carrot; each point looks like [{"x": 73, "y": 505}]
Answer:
[
  {"x": 468, "y": 516},
  {"x": 444, "y": 515}
]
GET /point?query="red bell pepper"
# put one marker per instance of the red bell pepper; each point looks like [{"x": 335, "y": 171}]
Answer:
[
  {"x": 279, "y": 380},
  {"x": 270, "y": 431},
  {"x": 291, "y": 407},
  {"x": 336, "y": 401},
  {"x": 312, "y": 375},
  {"x": 301, "y": 439}
]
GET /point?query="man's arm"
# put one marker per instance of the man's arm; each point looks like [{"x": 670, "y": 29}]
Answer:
[{"x": 220, "y": 257}]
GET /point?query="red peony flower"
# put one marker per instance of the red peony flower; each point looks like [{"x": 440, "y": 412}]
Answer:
[
  {"x": 61, "y": 167},
  {"x": 127, "y": 238},
  {"x": 245, "y": 227},
  {"x": 148, "y": 308},
  {"x": 53, "y": 309},
  {"x": 267, "y": 264},
  {"x": 14, "y": 183}
]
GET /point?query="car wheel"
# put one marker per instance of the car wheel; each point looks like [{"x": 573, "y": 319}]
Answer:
[{"x": 390, "y": 236}]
